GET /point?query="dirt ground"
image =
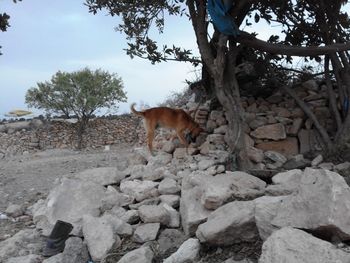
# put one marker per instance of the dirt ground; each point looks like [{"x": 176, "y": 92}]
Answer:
[{"x": 24, "y": 179}]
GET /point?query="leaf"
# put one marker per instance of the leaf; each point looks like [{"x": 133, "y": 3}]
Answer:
[{"x": 256, "y": 18}]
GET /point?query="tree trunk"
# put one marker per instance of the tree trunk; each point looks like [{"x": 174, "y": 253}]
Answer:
[
  {"x": 227, "y": 92},
  {"x": 81, "y": 127}
]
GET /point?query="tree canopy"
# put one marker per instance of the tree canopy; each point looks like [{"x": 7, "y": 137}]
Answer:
[
  {"x": 302, "y": 23},
  {"x": 79, "y": 93},
  {"x": 4, "y": 22}
]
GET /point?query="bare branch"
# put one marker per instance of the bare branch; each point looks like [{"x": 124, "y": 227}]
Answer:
[{"x": 251, "y": 41}]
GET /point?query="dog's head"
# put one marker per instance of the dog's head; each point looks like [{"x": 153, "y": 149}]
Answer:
[{"x": 193, "y": 134}]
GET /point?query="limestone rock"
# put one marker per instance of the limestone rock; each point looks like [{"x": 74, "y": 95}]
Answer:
[
  {"x": 102, "y": 175},
  {"x": 14, "y": 210},
  {"x": 170, "y": 240},
  {"x": 146, "y": 232},
  {"x": 69, "y": 202},
  {"x": 75, "y": 251},
  {"x": 318, "y": 204},
  {"x": 295, "y": 246},
  {"x": 287, "y": 147},
  {"x": 168, "y": 186},
  {"x": 266, "y": 208},
  {"x": 187, "y": 252},
  {"x": 25, "y": 259},
  {"x": 272, "y": 131},
  {"x": 139, "y": 255},
  {"x": 192, "y": 211},
  {"x": 100, "y": 236},
  {"x": 254, "y": 154},
  {"x": 154, "y": 214},
  {"x": 229, "y": 224},
  {"x": 140, "y": 190}
]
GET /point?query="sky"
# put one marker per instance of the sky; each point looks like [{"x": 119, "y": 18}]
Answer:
[{"x": 48, "y": 36}]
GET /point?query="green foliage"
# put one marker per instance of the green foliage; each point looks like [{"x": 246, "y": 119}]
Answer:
[
  {"x": 4, "y": 22},
  {"x": 79, "y": 93},
  {"x": 137, "y": 20}
]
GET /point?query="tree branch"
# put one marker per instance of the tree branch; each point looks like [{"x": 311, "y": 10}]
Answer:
[
  {"x": 327, "y": 141},
  {"x": 251, "y": 41}
]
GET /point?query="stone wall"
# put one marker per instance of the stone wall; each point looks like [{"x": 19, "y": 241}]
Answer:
[
  {"x": 274, "y": 124},
  {"x": 23, "y": 136}
]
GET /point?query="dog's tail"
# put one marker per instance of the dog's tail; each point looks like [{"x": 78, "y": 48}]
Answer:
[{"x": 141, "y": 113}]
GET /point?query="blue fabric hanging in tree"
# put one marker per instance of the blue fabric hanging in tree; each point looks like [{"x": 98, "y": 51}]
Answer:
[{"x": 218, "y": 10}]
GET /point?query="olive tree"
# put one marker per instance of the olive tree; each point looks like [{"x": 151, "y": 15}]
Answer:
[
  {"x": 218, "y": 50},
  {"x": 80, "y": 94},
  {"x": 4, "y": 22}
]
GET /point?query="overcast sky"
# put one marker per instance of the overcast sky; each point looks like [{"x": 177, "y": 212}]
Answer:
[{"x": 48, "y": 36}]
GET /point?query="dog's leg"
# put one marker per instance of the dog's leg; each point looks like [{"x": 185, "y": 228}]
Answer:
[
  {"x": 180, "y": 134},
  {"x": 150, "y": 127}
]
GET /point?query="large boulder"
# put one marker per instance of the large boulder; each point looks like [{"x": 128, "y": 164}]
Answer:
[
  {"x": 222, "y": 188},
  {"x": 69, "y": 201},
  {"x": 318, "y": 204},
  {"x": 18, "y": 244},
  {"x": 192, "y": 211},
  {"x": 100, "y": 236},
  {"x": 290, "y": 245},
  {"x": 102, "y": 175},
  {"x": 266, "y": 208},
  {"x": 230, "y": 224}
]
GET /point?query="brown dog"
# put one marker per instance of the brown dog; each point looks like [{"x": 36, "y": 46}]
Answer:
[{"x": 176, "y": 119}]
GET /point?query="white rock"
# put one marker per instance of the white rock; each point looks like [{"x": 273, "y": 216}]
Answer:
[
  {"x": 317, "y": 160},
  {"x": 275, "y": 156},
  {"x": 229, "y": 224},
  {"x": 54, "y": 259},
  {"x": 114, "y": 198},
  {"x": 174, "y": 216},
  {"x": 139, "y": 255},
  {"x": 218, "y": 190},
  {"x": 69, "y": 202},
  {"x": 75, "y": 251},
  {"x": 266, "y": 208},
  {"x": 187, "y": 252},
  {"x": 10, "y": 247},
  {"x": 290, "y": 245},
  {"x": 319, "y": 203},
  {"x": 172, "y": 200},
  {"x": 100, "y": 236},
  {"x": 154, "y": 214},
  {"x": 160, "y": 160},
  {"x": 101, "y": 175},
  {"x": 140, "y": 190},
  {"x": 25, "y": 259},
  {"x": 146, "y": 232},
  {"x": 168, "y": 186},
  {"x": 14, "y": 210},
  {"x": 192, "y": 211}
]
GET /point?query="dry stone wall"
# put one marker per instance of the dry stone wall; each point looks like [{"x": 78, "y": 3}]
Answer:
[
  {"x": 59, "y": 133},
  {"x": 274, "y": 124}
]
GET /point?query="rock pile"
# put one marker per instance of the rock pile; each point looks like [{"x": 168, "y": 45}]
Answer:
[
  {"x": 277, "y": 124},
  {"x": 173, "y": 207}
]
